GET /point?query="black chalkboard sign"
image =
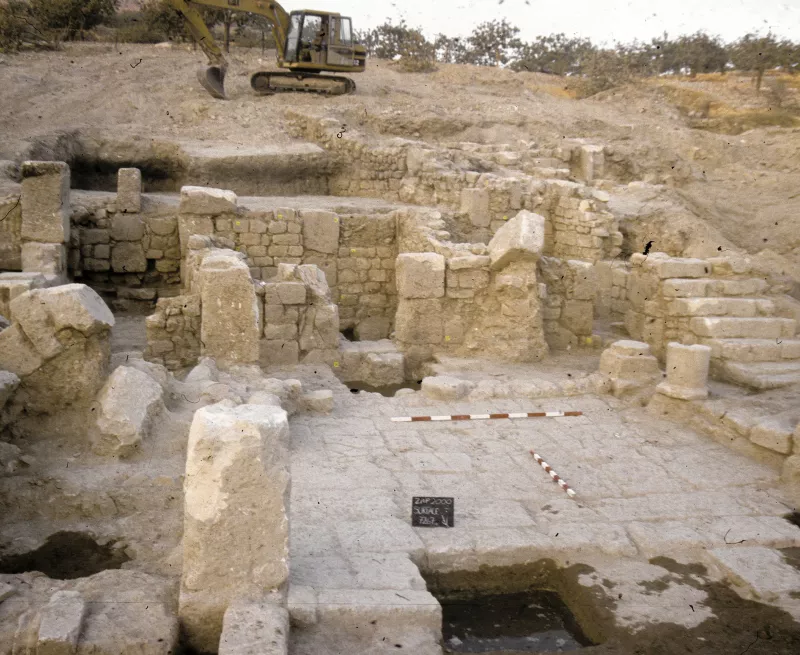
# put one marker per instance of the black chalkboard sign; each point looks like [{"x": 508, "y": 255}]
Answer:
[{"x": 428, "y": 512}]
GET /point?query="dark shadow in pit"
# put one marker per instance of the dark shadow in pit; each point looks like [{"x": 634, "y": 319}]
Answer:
[
  {"x": 101, "y": 175},
  {"x": 66, "y": 556},
  {"x": 387, "y": 390}
]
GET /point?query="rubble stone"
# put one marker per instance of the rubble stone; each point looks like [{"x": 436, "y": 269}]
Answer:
[
  {"x": 520, "y": 239},
  {"x": 129, "y": 401}
]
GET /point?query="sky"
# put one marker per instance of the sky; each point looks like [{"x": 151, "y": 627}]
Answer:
[{"x": 603, "y": 21}]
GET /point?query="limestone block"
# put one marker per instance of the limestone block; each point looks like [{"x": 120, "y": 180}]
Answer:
[
  {"x": 45, "y": 258},
  {"x": 316, "y": 281},
  {"x": 250, "y": 628},
  {"x": 278, "y": 352},
  {"x": 687, "y": 371},
  {"x": 420, "y": 275},
  {"x": 774, "y": 433},
  {"x": 127, "y": 227},
  {"x": 230, "y": 321},
  {"x": 475, "y": 203},
  {"x": 191, "y": 226},
  {"x": 790, "y": 472},
  {"x": 8, "y": 385},
  {"x": 319, "y": 328},
  {"x": 446, "y": 388},
  {"x": 236, "y": 528},
  {"x": 584, "y": 280},
  {"x": 17, "y": 353},
  {"x": 42, "y": 313},
  {"x": 419, "y": 322},
  {"x": 320, "y": 231},
  {"x": 676, "y": 267},
  {"x": 60, "y": 625},
  {"x": 129, "y": 190},
  {"x": 291, "y": 293},
  {"x": 207, "y": 201},
  {"x": 578, "y": 316},
  {"x": 14, "y": 284},
  {"x": 318, "y": 401},
  {"x": 764, "y": 570},
  {"x": 372, "y": 328},
  {"x": 45, "y": 202},
  {"x": 127, "y": 257},
  {"x": 468, "y": 262},
  {"x": 520, "y": 239},
  {"x": 129, "y": 401}
]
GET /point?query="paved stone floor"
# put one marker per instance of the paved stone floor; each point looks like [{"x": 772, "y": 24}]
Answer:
[{"x": 646, "y": 487}]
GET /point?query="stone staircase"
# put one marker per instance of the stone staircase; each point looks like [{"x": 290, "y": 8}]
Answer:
[{"x": 750, "y": 344}]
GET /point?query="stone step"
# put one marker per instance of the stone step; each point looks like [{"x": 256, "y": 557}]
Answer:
[
  {"x": 753, "y": 350},
  {"x": 728, "y": 327},
  {"x": 682, "y": 287},
  {"x": 758, "y": 375},
  {"x": 716, "y": 306}
]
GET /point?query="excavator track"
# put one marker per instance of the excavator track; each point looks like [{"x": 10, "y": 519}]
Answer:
[{"x": 268, "y": 83}]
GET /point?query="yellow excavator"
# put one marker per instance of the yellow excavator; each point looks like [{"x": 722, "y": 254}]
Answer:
[{"x": 308, "y": 42}]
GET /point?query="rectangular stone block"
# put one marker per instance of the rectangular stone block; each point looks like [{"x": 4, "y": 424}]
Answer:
[
  {"x": 230, "y": 325},
  {"x": 207, "y": 201},
  {"x": 468, "y": 262},
  {"x": 128, "y": 257},
  {"x": 475, "y": 203},
  {"x": 45, "y": 258},
  {"x": 672, "y": 267},
  {"x": 129, "y": 190},
  {"x": 729, "y": 327},
  {"x": 45, "y": 201},
  {"x": 127, "y": 227},
  {"x": 420, "y": 275},
  {"x": 320, "y": 231},
  {"x": 278, "y": 352},
  {"x": 254, "y": 629}
]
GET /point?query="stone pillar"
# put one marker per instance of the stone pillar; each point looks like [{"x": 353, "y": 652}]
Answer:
[
  {"x": 591, "y": 163},
  {"x": 687, "y": 372},
  {"x": 45, "y": 217},
  {"x": 230, "y": 320},
  {"x": 129, "y": 190},
  {"x": 236, "y": 526}
]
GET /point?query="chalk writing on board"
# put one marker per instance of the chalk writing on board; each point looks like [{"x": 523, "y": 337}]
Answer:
[{"x": 432, "y": 512}]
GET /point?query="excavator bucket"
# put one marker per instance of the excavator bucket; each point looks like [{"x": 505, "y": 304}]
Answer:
[{"x": 213, "y": 81}]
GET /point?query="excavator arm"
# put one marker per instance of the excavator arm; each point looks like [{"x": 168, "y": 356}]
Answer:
[{"x": 213, "y": 79}]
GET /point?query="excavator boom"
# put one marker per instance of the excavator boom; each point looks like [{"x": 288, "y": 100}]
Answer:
[{"x": 342, "y": 55}]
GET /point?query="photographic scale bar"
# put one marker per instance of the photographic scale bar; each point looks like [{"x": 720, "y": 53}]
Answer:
[{"x": 481, "y": 417}]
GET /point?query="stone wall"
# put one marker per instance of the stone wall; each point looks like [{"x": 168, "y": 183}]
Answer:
[
  {"x": 568, "y": 300},
  {"x": 611, "y": 300},
  {"x": 10, "y": 233},
  {"x": 465, "y": 303},
  {"x": 173, "y": 332},
  {"x": 578, "y": 223}
]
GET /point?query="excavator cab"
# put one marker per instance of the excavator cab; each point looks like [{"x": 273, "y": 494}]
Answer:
[{"x": 319, "y": 39}]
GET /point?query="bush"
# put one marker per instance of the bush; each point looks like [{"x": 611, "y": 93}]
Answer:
[
  {"x": 20, "y": 27},
  {"x": 71, "y": 18},
  {"x": 604, "y": 70}
]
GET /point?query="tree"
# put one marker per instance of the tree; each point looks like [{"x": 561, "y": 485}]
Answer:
[
  {"x": 554, "y": 54},
  {"x": 491, "y": 42},
  {"x": 757, "y": 54},
  {"x": 72, "y": 17},
  {"x": 701, "y": 53},
  {"x": 19, "y": 27},
  {"x": 161, "y": 17},
  {"x": 451, "y": 50},
  {"x": 387, "y": 41}
]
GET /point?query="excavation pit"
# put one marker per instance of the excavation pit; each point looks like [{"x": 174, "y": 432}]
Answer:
[
  {"x": 387, "y": 390},
  {"x": 67, "y": 556},
  {"x": 526, "y": 622}
]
